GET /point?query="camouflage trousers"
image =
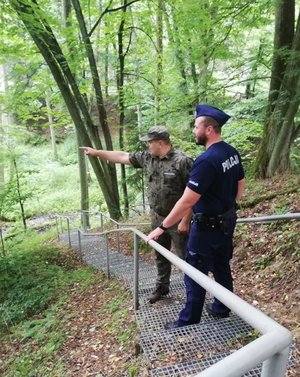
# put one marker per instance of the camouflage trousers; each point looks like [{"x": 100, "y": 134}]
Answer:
[{"x": 169, "y": 238}]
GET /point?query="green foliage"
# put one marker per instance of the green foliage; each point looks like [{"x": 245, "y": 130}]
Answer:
[
  {"x": 30, "y": 276},
  {"x": 67, "y": 151},
  {"x": 35, "y": 279},
  {"x": 119, "y": 314},
  {"x": 50, "y": 186},
  {"x": 45, "y": 336},
  {"x": 16, "y": 191},
  {"x": 295, "y": 155},
  {"x": 205, "y": 58},
  {"x": 245, "y": 136},
  {"x": 263, "y": 262}
]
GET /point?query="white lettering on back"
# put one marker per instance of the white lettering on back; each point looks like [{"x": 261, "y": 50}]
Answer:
[{"x": 230, "y": 162}]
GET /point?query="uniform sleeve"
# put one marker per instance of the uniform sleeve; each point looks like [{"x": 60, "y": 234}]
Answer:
[
  {"x": 186, "y": 167},
  {"x": 137, "y": 159},
  {"x": 201, "y": 177}
]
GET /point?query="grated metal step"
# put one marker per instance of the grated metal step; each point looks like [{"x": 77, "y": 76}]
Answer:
[
  {"x": 195, "y": 342},
  {"x": 181, "y": 352},
  {"x": 189, "y": 369},
  {"x": 152, "y": 318},
  {"x": 194, "y": 367}
]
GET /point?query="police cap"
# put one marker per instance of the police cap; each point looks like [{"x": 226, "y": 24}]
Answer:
[{"x": 213, "y": 112}]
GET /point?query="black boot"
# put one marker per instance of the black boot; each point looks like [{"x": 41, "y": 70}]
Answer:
[
  {"x": 157, "y": 294},
  {"x": 209, "y": 309}
]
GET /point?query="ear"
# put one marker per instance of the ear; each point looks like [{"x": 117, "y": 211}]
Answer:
[{"x": 209, "y": 129}]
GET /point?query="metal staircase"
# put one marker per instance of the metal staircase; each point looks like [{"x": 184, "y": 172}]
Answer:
[{"x": 183, "y": 351}]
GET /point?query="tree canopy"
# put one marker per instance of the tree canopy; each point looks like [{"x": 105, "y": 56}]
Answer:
[{"x": 114, "y": 68}]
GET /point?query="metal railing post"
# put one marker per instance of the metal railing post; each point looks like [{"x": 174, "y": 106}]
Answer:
[
  {"x": 107, "y": 256},
  {"x": 79, "y": 244},
  {"x": 61, "y": 226},
  {"x": 57, "y": 228},
  {"x": 69, "y": 235},
  {"x": 136, "y": 271},
  {"x": 271, "y": 349},
  {"x": 276, "y": 365},
  {"x": 118, "y": 238},
  {"x": 101, "y": 221}
]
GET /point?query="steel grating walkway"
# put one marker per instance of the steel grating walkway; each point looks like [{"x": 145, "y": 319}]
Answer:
[{"x": 181, "y": 352}]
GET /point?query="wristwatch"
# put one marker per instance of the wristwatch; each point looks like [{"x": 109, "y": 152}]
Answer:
[{"x": 161, "y": 226}]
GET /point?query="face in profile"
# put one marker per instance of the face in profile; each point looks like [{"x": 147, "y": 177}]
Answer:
[
  {"x": 154, "y": 147},
  {"x": 199, "y": 132}
]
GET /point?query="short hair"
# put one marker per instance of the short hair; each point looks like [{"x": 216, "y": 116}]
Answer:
[{"x": 209, "y": 121}]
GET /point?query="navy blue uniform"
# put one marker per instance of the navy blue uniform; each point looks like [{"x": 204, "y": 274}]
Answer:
[{"x": 214, "y": 175}]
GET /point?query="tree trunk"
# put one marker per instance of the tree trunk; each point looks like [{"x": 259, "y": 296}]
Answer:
[
  {"x": 52, "y": 131},
  {"x": 283, "y": 39},
  {"x": 3, "y": 121},
  {"x": 84, "y": 187},
  {"x": 46, "y": 42},
  {"x": 99, "y": 97},
  {"x": 280, "y": 128},
  {"x": 20, "y": 199},
  {"x": 174, "y": 38},
  {"x": 251, "y": 85},
  {"x": 120, "y": 85},
  {"x": 82, "y": 162},
  {"x": 159, "y": 65}
]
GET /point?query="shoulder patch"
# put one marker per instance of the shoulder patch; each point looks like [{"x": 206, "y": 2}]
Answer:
[{"x": 194, "y": 183}]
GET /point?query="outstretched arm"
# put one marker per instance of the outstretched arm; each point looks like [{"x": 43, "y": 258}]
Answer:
[{"x": 112, "y": 156}]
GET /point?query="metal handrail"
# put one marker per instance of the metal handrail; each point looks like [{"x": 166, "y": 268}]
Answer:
[
  {"x": 271, "y": 218},
  {"x": 118, "y": 225},
  {"x": 261, "y": 219},
  {"x": 271, "y": 348}
]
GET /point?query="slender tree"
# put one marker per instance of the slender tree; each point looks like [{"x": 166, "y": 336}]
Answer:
[
  {"x": 281, "y": 129},
  {"x": 159, "y": 66},
  {"x": 39, "y": 29},
  {"x": 82, "y": 163},
  {"x": 120, "y": 86},
  {"x": 51, "y": 127}
]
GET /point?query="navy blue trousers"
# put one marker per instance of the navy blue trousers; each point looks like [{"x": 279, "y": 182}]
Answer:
[{"x": 207, "y": 250}]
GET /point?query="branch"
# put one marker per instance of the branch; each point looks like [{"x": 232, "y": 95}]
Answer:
[
  {"x": 142, "y": 77},
  {"x": 107, "y": 10},
  {"x": 129, "y": 43},
  {"x": 148, "y": 35}
]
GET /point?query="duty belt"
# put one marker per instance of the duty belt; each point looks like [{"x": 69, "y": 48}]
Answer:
[{"x": 214, "y": 222}]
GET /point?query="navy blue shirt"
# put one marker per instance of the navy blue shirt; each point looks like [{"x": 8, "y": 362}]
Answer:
[{"x": 215, "y": 175}]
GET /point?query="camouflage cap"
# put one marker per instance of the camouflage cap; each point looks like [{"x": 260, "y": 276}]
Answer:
[{"x": 156, "y": 133}]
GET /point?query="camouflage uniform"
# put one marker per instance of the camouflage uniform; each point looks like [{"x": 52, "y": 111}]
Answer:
[{"x": 167, "y": 178}]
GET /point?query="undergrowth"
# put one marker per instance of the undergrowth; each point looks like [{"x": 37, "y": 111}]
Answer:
[
  {"x": 34, "y": 280},
  {"x": 38, "y": 279},
  {"x": 31, "y": 275}
]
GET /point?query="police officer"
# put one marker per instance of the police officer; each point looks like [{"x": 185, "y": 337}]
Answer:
[
  {"x": 216, "y": 183},
  {"x": 166, "y": 171}
]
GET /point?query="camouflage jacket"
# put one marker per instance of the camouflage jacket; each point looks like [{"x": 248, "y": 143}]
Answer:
[{"x": 167, "y": 177}]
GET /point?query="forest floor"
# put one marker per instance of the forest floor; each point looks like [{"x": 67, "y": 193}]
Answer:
[{"x": 98, "y": 321}]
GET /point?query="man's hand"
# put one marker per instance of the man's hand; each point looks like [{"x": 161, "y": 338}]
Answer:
[
  {"x": 183, "y": 227},
  {"x": 89, "y": 151},
  {"x": 185, "y": 223},
  {"x": 154, "y": 234}
]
